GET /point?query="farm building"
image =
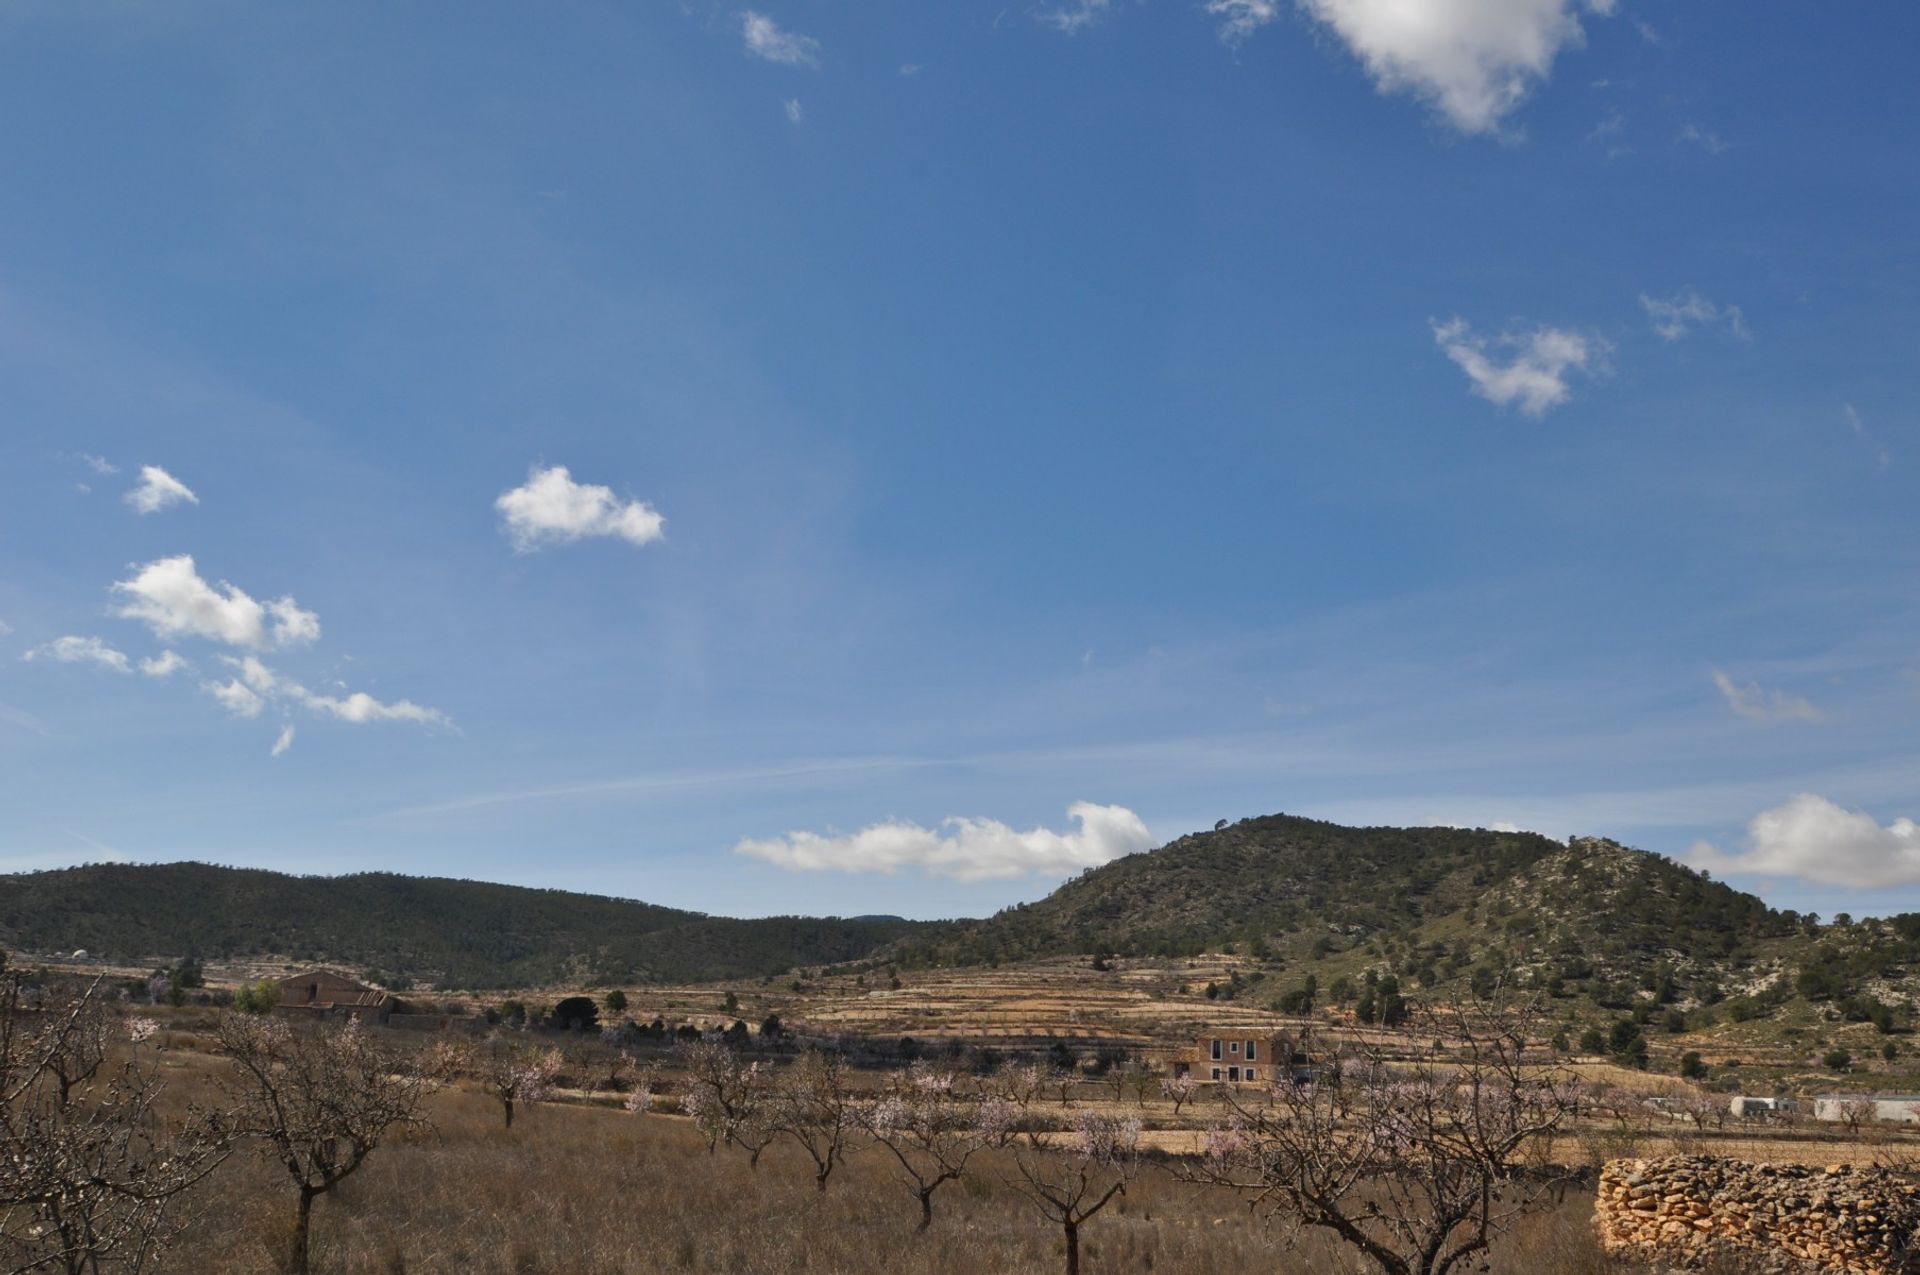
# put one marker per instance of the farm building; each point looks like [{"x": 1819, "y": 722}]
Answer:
[
  {"x": 1241, "y": 1060},
  {"x": 1850, "y": 1107},
  {"x": 1748, "y": 1107},
  {"x": 324, "y": 994}
]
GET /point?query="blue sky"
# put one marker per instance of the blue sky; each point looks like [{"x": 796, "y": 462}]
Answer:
[{"x": 1077, "y": 422}]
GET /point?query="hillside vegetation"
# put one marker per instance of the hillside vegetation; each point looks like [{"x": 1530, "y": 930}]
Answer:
[{"x": 457, "y": 933}]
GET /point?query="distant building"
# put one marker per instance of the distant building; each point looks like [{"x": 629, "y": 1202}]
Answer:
[
  {"x": 324, "y": 994},
  {"x": 1244, "y": 1060},
  {"x": 1891, "y": 1107},
  {"x": 1750, "y": 1108}
]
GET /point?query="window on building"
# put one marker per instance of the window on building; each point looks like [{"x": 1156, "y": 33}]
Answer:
[
  {"x": 1234, "y": 1047},
  {"x": 1216, "y": 1054},
  {"x": 1233, "y": 1073},
  {"x": 1250, "y": 1050},
  {"x": 1252, "y": 1074},
  {"x": 1216, "y": 1073}
]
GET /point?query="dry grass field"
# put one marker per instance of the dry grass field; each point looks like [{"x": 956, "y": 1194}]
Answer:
[{"x": 585, "y": 1191}]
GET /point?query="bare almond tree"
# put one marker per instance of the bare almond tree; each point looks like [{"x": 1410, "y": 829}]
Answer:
[
  {"x": 91, "y": 1174},
  {"x": 931, "y": 1127},
  {"x": 320, "y": 1099},
  {"x": 1072, "y": 1180},
  {"x": 1413, "y": 1153},
  {"x": 813, "y": 1107}
]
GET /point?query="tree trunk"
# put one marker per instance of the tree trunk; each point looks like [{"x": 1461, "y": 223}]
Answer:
[
  {"x": 506, "y": 1105},
  {"x": 302, "y": 1229},
  {"x": 926, "y": 1207},
  {"x": 1073, "y": 1248}
]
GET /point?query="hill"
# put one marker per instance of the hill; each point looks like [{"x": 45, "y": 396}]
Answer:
[
  {"x": 453, "y": 932},
  {"x": 1604, "y": 928}
]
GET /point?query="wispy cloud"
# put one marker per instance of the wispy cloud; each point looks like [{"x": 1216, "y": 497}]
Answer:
[
  {"x": 1759, "y": 705},
  {"x": 794, "y": 111},
  {"x": 99, "y": 464},
  {"x": 254, "y": 685},
  {"x": 283, "y": 742},
  {"x": 1239, "y": 19},
  {"x": 1814, "y": 839},
  {"x": 1881, "y": 456},
  {"x": 1696, "y": 135},
  {"x": 550, "y": 508},
  {"x": 81, "y": 650},
  {"x": 1537, "y": 367},
  {"x": 1474, "y": 61},
  {"x": 157, "y": 490},
  {"x": 1673, "y": 317},
  {"x": 165, "y": 664},
  {"x": 1074, "y": 16},
  {"x": 765, "y": 39},
  {"x": 964, "y": 849}
]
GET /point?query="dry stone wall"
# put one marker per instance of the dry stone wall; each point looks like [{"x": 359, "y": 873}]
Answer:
[{"x": 1691, "y": 1212}]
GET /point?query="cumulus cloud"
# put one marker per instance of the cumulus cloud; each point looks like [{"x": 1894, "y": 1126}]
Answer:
[
  {"x": 1074, "y": 16},
  {"x": 1673, "y": 317},
  {"x": 81, "y": 650},
  {"x": 284, "y": 742},
  {"x": 1473, "y": 60},
  {"x": 1239, "y": 19},
  {"x": 1814, "y": 839},
  {"x": 766, "y": 40},
  {"x": 254, "y": 684},
  {"x": 551, "y": 508},
  {"x": 1759, "y": 705},
  {"x": 157, "y": 490},
  {"x": 1536, "y": 370},
  {"x": 963, "y": 849},
  {"x": 165, "y": 664},
  {"x": 171, "y": 598}
]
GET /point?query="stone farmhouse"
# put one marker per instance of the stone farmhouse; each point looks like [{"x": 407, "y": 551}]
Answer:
[
  {"x": 324, "y": 994},
  {"x": 1242, "y": 1060}
]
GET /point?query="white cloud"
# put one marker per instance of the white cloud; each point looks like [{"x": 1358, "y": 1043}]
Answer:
[
  {"x": 963, "y": 849},
  {"x": 1473, "y": 60},
  {"x": 553, "y": 509},
  {"x": 236, "y": 696},
  {"x": 1814, "y": 839},
  {"x": 284, "y": 742},
  {"x": 261, "y": 684},
  {"x": 158, "y": 490},
  {"x": 1535, "y": 376},
  {"x": 81, "y": 650},
  {"x": 909, "y": 69},
  {"x": 794, "y": 113},
  {"x": 6, "y": 630},
  {"x": 165, "y": 664},
  {"x": 1758, "y": 705},
  {"x": 766, "y": 40},
  {"x": 1241, "y": 18},
  {"x": 1673, "y": 317},
  {"x": 169, "y": 595},
  {"x": 1075, "y": 16},
  {"x": 99, "y": 464}
]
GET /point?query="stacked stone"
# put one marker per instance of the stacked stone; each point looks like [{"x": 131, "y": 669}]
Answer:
[{"x": 1690, "y": 1211}]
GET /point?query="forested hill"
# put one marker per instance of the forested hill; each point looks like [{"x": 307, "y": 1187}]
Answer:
[{"x": 465, "y": 933}]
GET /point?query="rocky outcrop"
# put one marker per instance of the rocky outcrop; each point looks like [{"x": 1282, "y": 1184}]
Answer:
[{"x": 1689, "y": 1212}]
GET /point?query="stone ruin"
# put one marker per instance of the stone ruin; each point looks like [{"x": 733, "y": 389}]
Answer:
[{"x": 1698, "y": 1212}]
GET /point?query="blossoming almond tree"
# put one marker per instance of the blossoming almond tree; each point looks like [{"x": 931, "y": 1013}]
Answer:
[
  {"x": 320, "y": 1099},
  {"x": 813, "y": 1107},
  {"x": 1071, "y": 1182},
  {"x": 931, "y": 1126}
]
